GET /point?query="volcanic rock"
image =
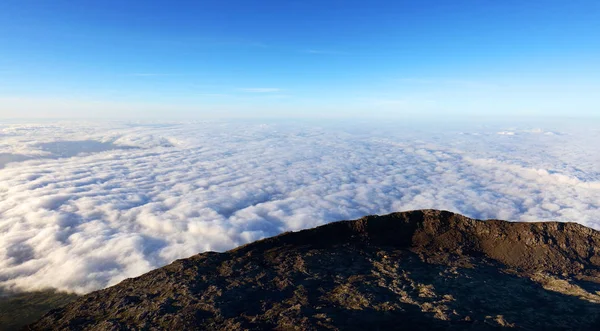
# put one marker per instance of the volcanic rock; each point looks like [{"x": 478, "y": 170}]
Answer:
[{"x": 423, "y": 270}]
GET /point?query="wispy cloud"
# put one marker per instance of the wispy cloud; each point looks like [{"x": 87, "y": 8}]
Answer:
[
  {"x": 154, "y": 74},
  {"x": 142, "y": 74},
  {"x": 322, "y": 51},
  {"x": 207, "y": 42},
  {"x": 214, "y": 94},
  {"x": 260, "y": 89},
  {"x": 157, "y": 74},
  {"x": 448, "y": 82}
]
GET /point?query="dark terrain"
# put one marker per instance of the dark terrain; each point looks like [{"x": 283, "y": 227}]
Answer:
[
  {"x": 19, "y": 309},
  {"x": 413, "y": 270}
]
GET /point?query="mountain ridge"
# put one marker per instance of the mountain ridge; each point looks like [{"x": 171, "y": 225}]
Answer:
[{"x": 377, "y": 272}]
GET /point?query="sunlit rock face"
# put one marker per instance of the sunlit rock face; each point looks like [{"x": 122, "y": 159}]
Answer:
[{"x": 416, "y": 270}]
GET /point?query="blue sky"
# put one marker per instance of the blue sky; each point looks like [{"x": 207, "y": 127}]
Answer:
[{"x": 204, "y": 59}]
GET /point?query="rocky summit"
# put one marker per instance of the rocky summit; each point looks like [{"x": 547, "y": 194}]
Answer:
[{"x": 423, "y": 269}]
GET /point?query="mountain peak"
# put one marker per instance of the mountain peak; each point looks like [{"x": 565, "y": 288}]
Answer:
[{"x": 417, "y": 269}]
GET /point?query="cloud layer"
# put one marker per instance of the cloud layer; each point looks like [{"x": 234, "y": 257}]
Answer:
[{"x": 148, "y": 193}]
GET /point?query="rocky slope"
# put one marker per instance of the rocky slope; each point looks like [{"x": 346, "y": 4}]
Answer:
[{"x": 413, "y": 270}]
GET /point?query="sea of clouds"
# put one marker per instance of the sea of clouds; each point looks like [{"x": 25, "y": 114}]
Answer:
[{"x": 85, "y": 205}]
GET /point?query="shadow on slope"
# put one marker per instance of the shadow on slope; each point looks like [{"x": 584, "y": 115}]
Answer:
[{"x": 20, "y": 309}]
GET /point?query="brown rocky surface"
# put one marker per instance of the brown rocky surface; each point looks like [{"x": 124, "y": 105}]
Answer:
[{"x": 423, "y": 269}]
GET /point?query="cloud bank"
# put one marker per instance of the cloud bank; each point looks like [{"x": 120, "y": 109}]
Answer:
[{"x": 86, "y": 205}]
